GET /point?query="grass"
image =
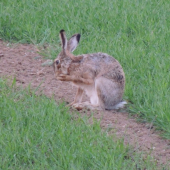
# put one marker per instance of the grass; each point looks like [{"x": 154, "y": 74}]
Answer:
[
  {"x": 38, "y": 134},
  {"x": 135, "y": 32}
]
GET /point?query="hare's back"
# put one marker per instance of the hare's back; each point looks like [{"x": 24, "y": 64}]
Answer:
[
  {"x": 102, "y": 60},
  {"x": 99, "y": 58},
  {"x": 106, "y": 66}
]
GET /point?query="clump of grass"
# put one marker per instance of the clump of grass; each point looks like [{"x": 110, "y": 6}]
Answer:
[
  {"x": 134, "y": 32},
  {"x": 38, "y": 134}
]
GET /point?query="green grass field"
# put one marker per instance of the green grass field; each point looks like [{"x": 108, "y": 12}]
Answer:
[
  {"x": 135, "y": 32},
  {"x": 38, "y": 134}
]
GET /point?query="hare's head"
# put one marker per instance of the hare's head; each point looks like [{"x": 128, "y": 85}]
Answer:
[{"x": 65, "y": 57}]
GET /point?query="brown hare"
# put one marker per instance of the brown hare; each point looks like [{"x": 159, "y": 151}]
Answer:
[{"x": 99, "y": 75}]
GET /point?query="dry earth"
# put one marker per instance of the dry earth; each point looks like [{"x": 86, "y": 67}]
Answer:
[{"x": 24, "y": 63}]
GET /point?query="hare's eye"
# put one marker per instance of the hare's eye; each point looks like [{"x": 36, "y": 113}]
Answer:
[{"x": 57, "y": 62}]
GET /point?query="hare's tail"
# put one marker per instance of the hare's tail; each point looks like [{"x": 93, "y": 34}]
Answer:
[{"x": 120, "y": 105}]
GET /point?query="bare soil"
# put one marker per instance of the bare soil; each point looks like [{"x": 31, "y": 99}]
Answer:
[{"x": 24, "y": 62}]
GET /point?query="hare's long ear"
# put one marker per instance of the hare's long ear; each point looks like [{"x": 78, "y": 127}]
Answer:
[
  {"x": 73, "y": 42},
  {"x": 63, "y": 39}
]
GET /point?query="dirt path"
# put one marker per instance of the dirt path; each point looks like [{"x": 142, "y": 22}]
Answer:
[{"x": 23, "y": 62}]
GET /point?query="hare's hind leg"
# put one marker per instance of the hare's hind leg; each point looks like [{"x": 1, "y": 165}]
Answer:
[{"x": 109, "y": 93}]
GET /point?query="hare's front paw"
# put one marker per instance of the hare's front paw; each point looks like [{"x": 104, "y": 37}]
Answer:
[{"x": 63, "y": 77}]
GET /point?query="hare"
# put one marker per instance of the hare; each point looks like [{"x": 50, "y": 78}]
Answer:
[{"x": 99, "y": 75}]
